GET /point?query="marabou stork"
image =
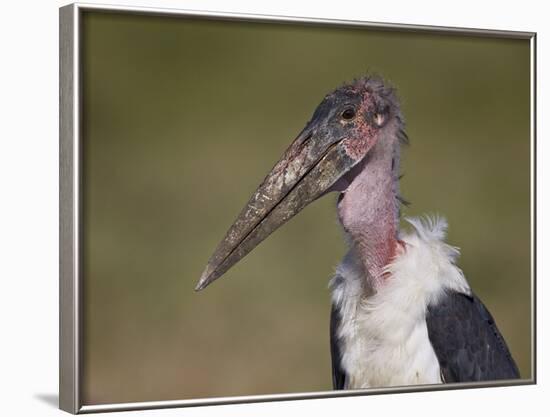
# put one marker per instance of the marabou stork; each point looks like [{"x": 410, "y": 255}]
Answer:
[{"x": 402, "y": 311}]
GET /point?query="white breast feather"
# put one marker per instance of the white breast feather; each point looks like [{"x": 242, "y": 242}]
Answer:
[{"x": 384, "y": 336}]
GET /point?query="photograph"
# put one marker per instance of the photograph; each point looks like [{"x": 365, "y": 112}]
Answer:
[{"x": 279, "y": 206}]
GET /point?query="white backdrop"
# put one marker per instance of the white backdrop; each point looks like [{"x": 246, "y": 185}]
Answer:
[{"x": 29, "y": 207}]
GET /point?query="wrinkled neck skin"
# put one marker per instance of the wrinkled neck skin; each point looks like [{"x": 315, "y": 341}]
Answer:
[{"x": 369, "y": 209}]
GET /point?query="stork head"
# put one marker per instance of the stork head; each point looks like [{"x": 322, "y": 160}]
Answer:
[{"x": 326, "y": 156}]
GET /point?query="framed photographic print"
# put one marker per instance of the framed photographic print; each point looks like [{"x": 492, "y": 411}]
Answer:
[{"x": 261, "y": 208}]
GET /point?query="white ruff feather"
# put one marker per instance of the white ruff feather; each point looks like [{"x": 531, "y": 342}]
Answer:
[{"x": 384, "y": 338}]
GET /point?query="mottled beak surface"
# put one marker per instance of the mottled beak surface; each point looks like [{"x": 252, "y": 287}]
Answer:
[
  {"x": 309, "y": 167},
  {"x": 342, "y": 130}
]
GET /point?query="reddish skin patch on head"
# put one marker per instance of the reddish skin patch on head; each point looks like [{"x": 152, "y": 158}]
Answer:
[
  {"x": 357, "y": 147},
  {"x": 364, "y": 133}
]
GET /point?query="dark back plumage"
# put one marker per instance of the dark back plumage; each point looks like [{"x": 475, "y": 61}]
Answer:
[{"x": 467, "y": 342}]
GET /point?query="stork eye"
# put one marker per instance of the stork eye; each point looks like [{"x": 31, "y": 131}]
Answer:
[{"x": 348, "y": 114}]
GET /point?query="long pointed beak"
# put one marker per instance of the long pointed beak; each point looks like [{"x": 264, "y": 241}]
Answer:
[{"x": 309, "y": 168}]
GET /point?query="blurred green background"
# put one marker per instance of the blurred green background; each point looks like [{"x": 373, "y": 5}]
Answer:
[{"x": 183, "y": 118}]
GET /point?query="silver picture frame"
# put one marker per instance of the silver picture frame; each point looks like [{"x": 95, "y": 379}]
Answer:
[{"x": 70, "y": 216}]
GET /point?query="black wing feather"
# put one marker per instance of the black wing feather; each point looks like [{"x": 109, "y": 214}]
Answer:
[
  {"x": 338, "y": 374},
  {"x": 467, "y": 342}
]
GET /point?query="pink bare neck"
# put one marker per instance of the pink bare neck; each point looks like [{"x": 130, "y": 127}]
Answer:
[{"x": 369, "y": 210}]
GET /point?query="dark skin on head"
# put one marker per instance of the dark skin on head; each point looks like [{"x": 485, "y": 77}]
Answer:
[{"x": 342, "y": 130}]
